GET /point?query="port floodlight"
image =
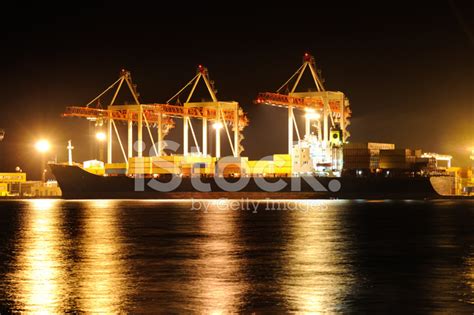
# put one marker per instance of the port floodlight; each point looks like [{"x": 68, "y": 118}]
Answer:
[
  {"x": 42, "y": 146},
  {"x": 101, "y": 136},
  {"x": 217, "y": 125},
  {"x": 312, "y": 115}
]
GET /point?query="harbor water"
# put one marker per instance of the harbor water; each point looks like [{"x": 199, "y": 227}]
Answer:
[{"x": 186, "y": 256}]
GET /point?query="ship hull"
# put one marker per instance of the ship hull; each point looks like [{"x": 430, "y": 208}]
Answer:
[{"x": 76, "y": 183}]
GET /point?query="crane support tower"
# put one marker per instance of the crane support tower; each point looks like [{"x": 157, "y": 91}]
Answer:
[{"x": 327, "y": 112}]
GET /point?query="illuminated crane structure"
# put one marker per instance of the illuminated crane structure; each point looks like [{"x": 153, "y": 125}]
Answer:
[
  {"x": 220, "y": 113},
  {"x": 160, "y": 116},
  {"x": 329, "y": 106}
]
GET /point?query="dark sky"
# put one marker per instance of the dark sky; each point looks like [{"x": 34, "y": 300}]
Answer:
[{"x": 407, "y": 67}]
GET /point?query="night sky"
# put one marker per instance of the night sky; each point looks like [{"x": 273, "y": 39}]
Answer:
[{"x": 407, "y": 68}]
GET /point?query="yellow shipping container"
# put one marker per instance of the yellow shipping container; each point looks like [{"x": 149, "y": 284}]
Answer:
[
  {"x": 168, "y": 158},
  {"x": 199, "y": 159},
  {"x": 282, "y": 164},
  {"x": 12, "y": 177},
  {"x": 159, "y": 170},
  {"x": 260, "y": 163},
  {"x": 3, "y": 189},
  {"x": 139, "y": 170},
  {"x": 285, "y": 157},
  {"x": 282, "y": 170},
  {"x": 115, "y": 166},
  {"x": 139, "y": 159}
]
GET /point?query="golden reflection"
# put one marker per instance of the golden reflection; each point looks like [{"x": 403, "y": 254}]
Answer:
[
  {"x": 220, "y": 280},
  {"x": 38, "y": 282},
  {"x": 316, "y": 273},
  {"x": 43, "y": 204},
  {"x": 469, "y": 277},
  {"x": 102, "y": 274}
]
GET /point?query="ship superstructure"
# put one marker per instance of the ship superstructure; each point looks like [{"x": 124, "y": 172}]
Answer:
[{"x": 327, "y": 116}]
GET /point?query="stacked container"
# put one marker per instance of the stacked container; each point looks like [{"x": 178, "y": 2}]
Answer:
[
  {"x": 116, "y": 168},
  {"x": 396, "y": 159},
  {"x": 168, "y": 164},
  {"x": 282, "y": 164},
  {"x": 139, "y": 165},
  {"x": 356, "y": 156},
  {"x": 231, "y": 166}
]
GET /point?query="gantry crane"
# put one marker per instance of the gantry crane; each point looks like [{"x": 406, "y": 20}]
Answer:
[
  {"x": 332, "y": 107},
  {"x": 221, "y": 113},
  {"x": 161, "y": 117}
]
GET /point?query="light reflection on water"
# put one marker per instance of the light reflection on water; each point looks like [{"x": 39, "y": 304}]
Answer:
[
  {"x": 316, "y": 276},
  {"x": 102, "y": 270},
  {"x": 337, "y": 256},
  {"x": 219, "y": 275},
  {"x": 38, "y": 282}
]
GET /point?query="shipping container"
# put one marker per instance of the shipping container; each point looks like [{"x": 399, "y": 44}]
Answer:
[{"x": 115, "y": 171}]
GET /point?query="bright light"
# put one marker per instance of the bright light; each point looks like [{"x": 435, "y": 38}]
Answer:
[
  {"x": 217, "y": 125},
  {"x": 100, "y": 136},
  {"x": 42, "y": 146},
  {"x": 310, "y": 115}
]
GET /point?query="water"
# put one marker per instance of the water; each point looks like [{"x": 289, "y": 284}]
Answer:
[{"x": 161, "y": 256}]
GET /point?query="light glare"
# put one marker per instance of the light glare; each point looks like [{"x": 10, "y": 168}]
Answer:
[
  {"x": 217, "y": 125},
  {"x": 100, "y": 136},
  {"x": 311, "y": 115},
  {"x": 42, "y": 146}
]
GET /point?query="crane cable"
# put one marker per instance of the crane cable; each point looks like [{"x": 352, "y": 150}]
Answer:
[
  {"x": 291, "y": 78},
  {"x": 180, "y": 91},
  {"x": 104, "y": 92}
]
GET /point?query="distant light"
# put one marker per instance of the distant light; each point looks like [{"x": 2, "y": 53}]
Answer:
[
  {"x": 217, "y": 125},
  {"x": 42, "y": 146},
  {"x": 100, "y": 136}
]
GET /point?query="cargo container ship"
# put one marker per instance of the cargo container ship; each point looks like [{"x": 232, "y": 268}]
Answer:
[
  {"x": 77, "y": 183},
  {"x": 320, "y": 163}
]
